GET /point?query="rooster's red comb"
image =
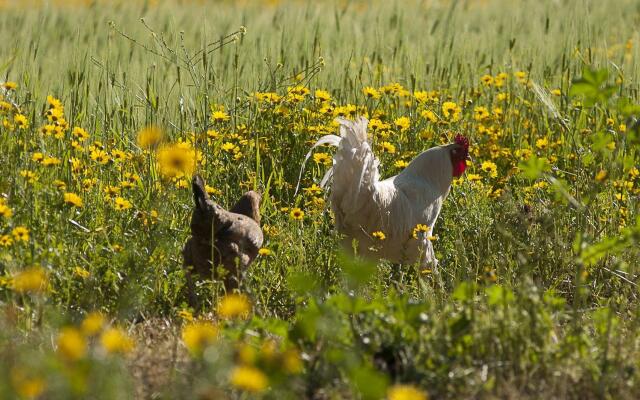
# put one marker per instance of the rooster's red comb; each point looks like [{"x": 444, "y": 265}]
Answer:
[{"x": 462, "y": 141}]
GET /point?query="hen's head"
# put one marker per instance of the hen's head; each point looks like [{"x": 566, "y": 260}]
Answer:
[
  {"x": 204, "y": 210},
  {"x": 459, "y": 155}
]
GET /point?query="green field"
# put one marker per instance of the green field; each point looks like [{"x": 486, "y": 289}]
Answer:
[{"x": 536, "y": 295}]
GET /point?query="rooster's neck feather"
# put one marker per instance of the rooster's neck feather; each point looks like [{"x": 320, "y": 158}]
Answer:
[{"x": 434, "y": 166}]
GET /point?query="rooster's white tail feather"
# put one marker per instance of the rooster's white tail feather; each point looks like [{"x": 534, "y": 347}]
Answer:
[
  {"x": 355, "y": 169},
  {"x": 354, "y": 173}
]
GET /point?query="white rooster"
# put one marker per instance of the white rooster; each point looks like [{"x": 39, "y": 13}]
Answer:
[{"x": 364, "y": 204}]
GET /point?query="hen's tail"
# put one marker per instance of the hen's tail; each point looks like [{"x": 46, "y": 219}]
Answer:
[{"x": 355, "y": 167}]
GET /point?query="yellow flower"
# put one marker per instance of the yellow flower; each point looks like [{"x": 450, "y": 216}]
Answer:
[
  {"x": 9, "y": 85},
  {"x": 5, "y": 107},
  {"x": 421, "y": 96},
  {"x": 211, "y": 191},
  {"x": 5, "y": 240},
  {"x": 296, "y": 214},
  {"x": 80, "y": 133},
  {"x": 30, "y": 280},
  {"x": 313, "y": 190},
  {"x": 60, "y": 185},
  {"x": 76, "y": 165},
  {"x": 27, "y": 386},
  {"x": 451, "y": 110},
  {"x": 182, "y": 183},
  {"x": 131, "y": 177},
  {"x": 81, "y": 272},
  {"x": 213, "y": 134},
  {"x": 198, "y": 335},
  {"x": 121, "y": 204},
  {"x": 429, "y": 116},
  {"x": 405, "y": 392},
  {"x": 269, "y": 97},
  {"x": 20, "y": 234},
  {"x": 111, "y": 192},
  {"x": 371, "y": 92},
  {"x": 375, "y": 124},
  {"x": 388, "y": 147},
  {"x": 21, "y": 121},
  {"x": 556, "y": 92},
  {"x": 393, "y": 88},
  {"x": 402, "y": 123},
  {"x": 379, "y": 235},
  {"x": 55, "y": 115},
  {"x": 480, "y": 113},
  {"x": 298, "y": 90},
  {"x": 486, "y": 80},
  {"x": 264, "y": 252},
  {"x": 249, "y": 378},
  {"x": 490, "y": 168},
  {"x": 234, "y": 306},
  {"x": 71, "y": 344},
  {"x": 54, "y": 103},
  {"x": 500, "y": 78},
  {"x": 601, "y": 176},
  {"x": 400, "y": 164},
  {"x": 219, "y": 116},
  {"x": 99, "y": 156},
  {"x": 73, "y": 199},
  {"x": 185, "y": 315},
  {"x": 292, "y": 362},
  {"x": 93, "y": 323},
  {"x": 149, "y": 137},
  {"x": 119, "y": 155},
  {"x": 521, "y": 76},
  {"x": 230, "y": 147},
  {"x": 322, "y": 158},
  {"x": 49, "y": 161},
  {"x": 177, "y": 160},
  {"x": 5, "y": 211},
  {"x": 474, "y": 177},
  {"x": 30, "y": 176},
  {"x": 37, "y": 157},
  {"x": 115, "y": 340},
  {"x": 318, "y": 202},
  {"x": 322, "y": 95},
  {"x": 419, "y": 230},
  {"x": 542, "y": 143}
]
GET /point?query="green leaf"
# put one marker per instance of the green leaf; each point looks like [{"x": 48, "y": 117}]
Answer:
[
  {"x": 306, "y": 325},
  {"x": 357, "y": 271},
  {"x": 302, "y": 282},
  {"x": 369, "y": 383},
  {"x": 605, "y": 320},
  {"x": 592, "y": 87},
  {"x": 534, "y": 167},
  {"x": 610, "y": 245},
  {"x": 465, "y": 291},
  {"x": 497, "y": 294},
  {"x": 627, "y": 108},
  {"x": 600, "y": 141},
  {"x": 551, "y": 298}
]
